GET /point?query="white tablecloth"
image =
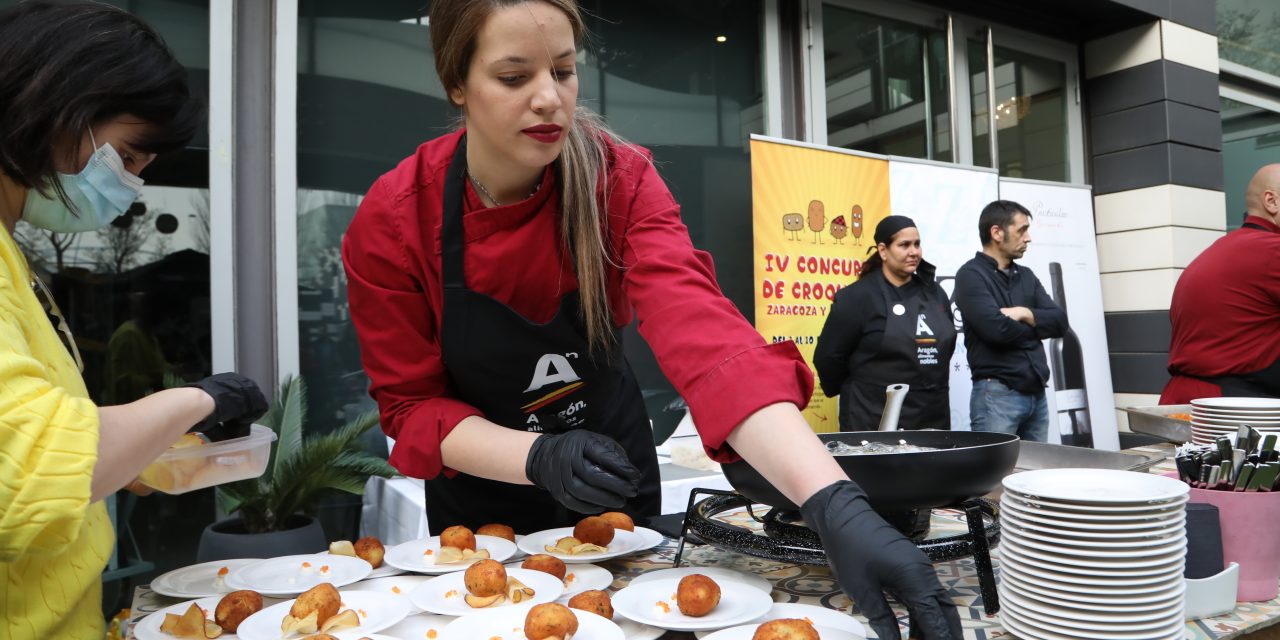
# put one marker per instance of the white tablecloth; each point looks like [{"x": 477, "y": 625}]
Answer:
[{"x": 395, "y": 510}]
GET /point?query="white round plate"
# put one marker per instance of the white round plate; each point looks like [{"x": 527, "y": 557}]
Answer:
[
  {"x": 418, "y": 626},
  {"x": 624, "y": 542},
  {"x": 1027, "y": 590},
  {"x": 1095, "y": 582},
  {"x": 198, "y": 580},
  {"x": 739, "y": 603},
  {"x": 1095, "y": 485},
  {"x": 636, "y": 631},
  {"x": 1095, "y": 621},
  {"x": 445, "y": 595},
  {"x": 715, "y": 573},
  {"x": 508, "y": 624},
  {"x": 579, "y": 578},
  {"x": 1097, "y": 550},
  {"x": 382, "y": 571},
  {"x": 648, "y": 538},
  {"x": 822, "y": 617},
  {"x": 1161, "y": 567},
  {"x": 1130, "y": 509},
  {"x": 1032, "y": 629},
  {"x": 1160, "y": 558},
  {"x": 746, "y": 631},
  {"x": 1069, "y": 519},
  {"x": 1239, "y": 404},
  {"x": 399, "y": 585},
  {"x": 1233, "y": 423},
  {"x": 379, "y": 612},
  {"x": 1119, "y": 596},
  {"x": 519, "y": 554},
  {"x": 412, "y": 555},
  {"x": 148, "y": 628},
  {"x": 291, "y": 575},
  {"x": 1065, "y": 533}
]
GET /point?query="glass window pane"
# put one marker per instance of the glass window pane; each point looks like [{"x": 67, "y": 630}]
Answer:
[
  {"x": 1249, "y": 33},
  {"x": 981, "y": 107},
  {"x": 1250, "y": 139},
  {"x": 886, "y": 85},
  {"x": 1031, "y": 113}
]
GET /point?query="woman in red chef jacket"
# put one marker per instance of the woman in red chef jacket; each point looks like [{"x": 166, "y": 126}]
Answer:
[{"x": 488, "y": 276}]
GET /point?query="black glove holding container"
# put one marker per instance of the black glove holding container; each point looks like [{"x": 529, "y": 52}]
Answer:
[
  {"x": 237, "y": 402},
  {"x": 584, "y": 471},
  {"x": 869, "y": 556}
]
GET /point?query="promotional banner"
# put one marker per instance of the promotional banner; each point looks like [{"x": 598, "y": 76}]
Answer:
[
  {"x": 814, "y": 212},
  {"x": 945, "y": 200},
  {"x": 1064, "y": 256}
]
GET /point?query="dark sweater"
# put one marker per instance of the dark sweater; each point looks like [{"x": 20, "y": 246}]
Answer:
[{"x": 1000, "y": 347}]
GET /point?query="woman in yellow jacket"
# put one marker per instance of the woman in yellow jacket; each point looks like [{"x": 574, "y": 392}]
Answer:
[{"x": 88, "y": 95}]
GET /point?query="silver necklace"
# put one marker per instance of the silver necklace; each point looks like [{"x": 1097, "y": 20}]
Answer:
[{"x": 480, "y": 187}]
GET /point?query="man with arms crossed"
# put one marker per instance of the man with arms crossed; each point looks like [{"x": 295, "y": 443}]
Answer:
[{"x": 1006, "y": 314}]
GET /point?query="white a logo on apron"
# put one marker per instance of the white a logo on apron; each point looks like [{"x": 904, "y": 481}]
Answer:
[
  {"x": 922, "y": 327},
  {"x": 552, "y": 368}
]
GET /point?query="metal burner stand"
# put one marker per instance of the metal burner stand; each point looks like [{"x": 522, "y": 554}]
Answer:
[{"x": 798, "y": 544}]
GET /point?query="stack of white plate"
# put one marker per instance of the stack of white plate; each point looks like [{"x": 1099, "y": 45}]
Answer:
[
  {"x": 1213, "y": 417},
  {"x": 1092, "y": 554}
]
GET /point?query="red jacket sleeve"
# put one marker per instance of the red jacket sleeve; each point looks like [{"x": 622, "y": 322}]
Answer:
[
  {"x": 715, "y": 359},
  {"x": 399, "y": 339}
]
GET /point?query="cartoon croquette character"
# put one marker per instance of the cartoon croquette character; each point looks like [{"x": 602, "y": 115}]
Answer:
[
  {"x": 793, "y": 224},
  {"x": 839, "y": 229},
  {"x": 855, "y": 223},
  {"x": 817, "y": 220}
]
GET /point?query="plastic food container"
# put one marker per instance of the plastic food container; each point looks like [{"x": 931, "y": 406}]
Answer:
[{"x": 184, "y": 469}]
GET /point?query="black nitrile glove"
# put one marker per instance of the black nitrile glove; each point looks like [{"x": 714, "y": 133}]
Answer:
[
  {"x": 869, "y": 556},
  {"x": 582, "y": 470},
  {"x": 237, "y": 401}
]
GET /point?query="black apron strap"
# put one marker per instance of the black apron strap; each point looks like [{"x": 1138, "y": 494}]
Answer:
[{"x": 452, "y": 236}]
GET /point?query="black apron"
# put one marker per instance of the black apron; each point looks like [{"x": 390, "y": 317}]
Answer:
[
  {"x": 916, "y": 349},
  {"x": 1264, "y": 383},
  {"x": 531, "y": 377}
]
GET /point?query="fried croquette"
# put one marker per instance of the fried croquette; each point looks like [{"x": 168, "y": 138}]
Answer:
[
  {"x": 786, "y": 629},
  {"x": 497, "y": 531},
  {"x": 619, "y": 520},
  {"x": 594, "y": 530},
  {"x": 595, "y": 601},
  {"x": 697, "y": 595},
  {"x": 235, "y": 607},
  {"x": 550, "y": 620},
  {"x": 485, "y": 578},
  {"x": 458, "y": 536},
  {"x": 370, "y": 550},
  {"x": 546, "y": 564}
]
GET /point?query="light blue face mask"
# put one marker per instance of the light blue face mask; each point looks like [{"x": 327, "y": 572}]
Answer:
[{"x": 100, "y": 193}]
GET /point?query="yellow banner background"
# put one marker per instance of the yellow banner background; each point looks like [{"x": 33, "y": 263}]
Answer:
[{"x": 797, "y": 271}]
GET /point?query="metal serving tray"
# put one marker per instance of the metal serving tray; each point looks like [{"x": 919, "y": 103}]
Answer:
[
  {"x": 1042, "y": 455},
  {"x": 1156, "y": 421}
]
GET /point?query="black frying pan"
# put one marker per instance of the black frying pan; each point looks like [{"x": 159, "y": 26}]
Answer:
[{"x": 967, "y": 464}]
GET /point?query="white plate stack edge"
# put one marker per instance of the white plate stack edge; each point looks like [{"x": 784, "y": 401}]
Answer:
[
  {"x": 1214, "y": 417},
  {"x": 1092, "y": 554}
]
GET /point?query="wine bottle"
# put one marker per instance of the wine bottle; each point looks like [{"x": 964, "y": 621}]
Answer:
[{"x": 1066, "y": 357}]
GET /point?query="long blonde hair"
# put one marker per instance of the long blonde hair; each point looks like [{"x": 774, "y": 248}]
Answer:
[{"x": 580, "y": 169}]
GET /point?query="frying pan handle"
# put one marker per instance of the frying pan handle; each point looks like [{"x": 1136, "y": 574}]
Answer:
[{"x": 894, "y": 395}]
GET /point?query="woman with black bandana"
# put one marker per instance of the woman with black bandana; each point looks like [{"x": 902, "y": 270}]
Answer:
[{"x": 894, "y": 325}]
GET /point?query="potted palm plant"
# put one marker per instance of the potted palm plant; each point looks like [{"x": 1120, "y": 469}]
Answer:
[{"x": 269, "y": 513}]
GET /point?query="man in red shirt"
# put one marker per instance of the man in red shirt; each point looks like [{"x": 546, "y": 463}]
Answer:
[{"x": 1226, "y": 308}]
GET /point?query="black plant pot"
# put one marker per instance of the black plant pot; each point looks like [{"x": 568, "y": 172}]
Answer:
[{"x": 227, "y": 539}]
